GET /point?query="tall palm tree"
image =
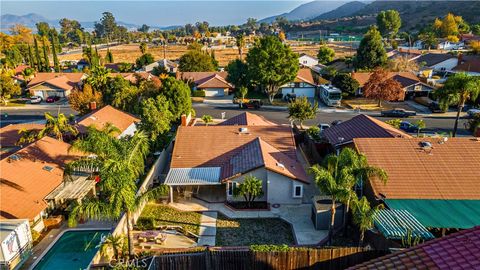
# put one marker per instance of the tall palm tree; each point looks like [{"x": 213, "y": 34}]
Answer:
[
  {"x": 120, "y": 162},
  {"x": 457, "y": 90},
  {"x": 331, "y": 179},
  {"x": 240, "y": 40},
  {"x": 98, "y": 78},
  {"x": 57, "y": 126},
  {"x": 364, "y": 215}
]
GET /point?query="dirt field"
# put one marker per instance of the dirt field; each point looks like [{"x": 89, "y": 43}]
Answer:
[{"x": 130, "y": 52}]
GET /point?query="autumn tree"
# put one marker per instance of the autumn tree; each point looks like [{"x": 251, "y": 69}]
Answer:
[
  {"x": 8, "y": 87},
  {"x": 381, "y": 86},
  {"x": 450, "y": 26},
  {"x": 80, "y": 99}
]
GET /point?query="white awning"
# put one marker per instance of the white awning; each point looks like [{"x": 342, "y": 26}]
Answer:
[
  {"x": 193, "y": 176},
  {"x": 72, "y": 190}
]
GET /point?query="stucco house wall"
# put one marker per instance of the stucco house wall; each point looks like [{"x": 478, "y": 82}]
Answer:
[{"x": 129, "y": 131}]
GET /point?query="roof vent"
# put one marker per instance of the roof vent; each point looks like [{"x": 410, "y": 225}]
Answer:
[
  {"x": 93, "y": 117},
  {"x": 14, "y": 157},
  {"x": 426, "y": 145},
  {"x": 243, "y": 130},
  {"x": 281, "y": 165},
  {"x": 48, "y": 168}
]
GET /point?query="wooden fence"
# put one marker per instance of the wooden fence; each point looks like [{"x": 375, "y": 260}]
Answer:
[{"x": 322, "y": 258}]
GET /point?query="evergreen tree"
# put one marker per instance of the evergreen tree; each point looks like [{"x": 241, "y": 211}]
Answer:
[
  {"x": 109, "y": 57},
  {"x": 37, "y": 55},
  {"x": 31, "y": 60},
  {"x": 54, "y": 53},
  {"x": 46, "y": 61},
  {"x": 371, "y": 53},
  {"x": 388, "y": 23}
]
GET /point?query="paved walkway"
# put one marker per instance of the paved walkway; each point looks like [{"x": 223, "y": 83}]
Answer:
[
  {"x": 297, "y": 215},
  {"x": 208, "y": 229}
]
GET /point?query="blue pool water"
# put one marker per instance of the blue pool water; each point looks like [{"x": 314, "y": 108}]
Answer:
[{"x": 73, "y": 250}]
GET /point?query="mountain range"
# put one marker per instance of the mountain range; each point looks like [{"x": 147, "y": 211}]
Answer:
[{"x": 307, "y": 11}]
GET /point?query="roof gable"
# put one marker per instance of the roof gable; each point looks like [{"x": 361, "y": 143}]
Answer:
[
  {"x": 105, "y": 115},
  {"x": 248, "y": 119}
]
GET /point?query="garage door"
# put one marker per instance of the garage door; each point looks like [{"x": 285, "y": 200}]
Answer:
[
  {"x": 214, "y": 92},
  {"x": 38, "y": 93},
  {"x": 305, "y": 92}
]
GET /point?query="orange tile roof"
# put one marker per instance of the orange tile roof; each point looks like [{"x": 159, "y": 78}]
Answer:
[
  {"x": 104, "y": 115},
  {"x": 363, "y": 77},
  {"x": 196, "y": 76},
  {"x": 213, "y": 81},
  {"x": 9, "y": 134},
  {"x": 25, "y": 182},
  {"x": 65, "y": 81},
  {"x": 305, "y": 75},
  {"x": 248, "y": 119},
  {"x": 214, "y": 146},
  {"x": 447, "y": 171}
]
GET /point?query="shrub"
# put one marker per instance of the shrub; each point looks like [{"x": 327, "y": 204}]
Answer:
[
  {"x": 268, "y": 248},
  {"x": 35, "y": 235},
  {"x": 394, "y": 122},
  {"x": 146, "y": 223},
  {"x": 198, "y": 93},
  {"x": 314, "y": 132}
]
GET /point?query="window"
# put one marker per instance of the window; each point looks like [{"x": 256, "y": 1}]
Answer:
[
  {"x": 297, "y": 191},
  {"x": 231, "y": 187}
]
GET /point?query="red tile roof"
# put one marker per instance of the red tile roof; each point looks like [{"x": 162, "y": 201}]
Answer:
[
  {"x": 104, "y": 115},
  {"x": 448, "y": 170},
  {"x": 9, "y": 134},
  {"x": 305, "y": 75},
  {"x": 248, "y": 119},
  {"x": 196, "y": 76},
  {"x": 459, "y": 250},
  {"x": 213, "y": 81},
  {"x": 361, "y": 126},
  {"x": 25, "y": 182},
  {"x": 65, "y": 81}
]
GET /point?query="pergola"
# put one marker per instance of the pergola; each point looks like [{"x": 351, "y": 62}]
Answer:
[
  {"x": 72, "y": 190},
  {"x": 183, "y": 177}
]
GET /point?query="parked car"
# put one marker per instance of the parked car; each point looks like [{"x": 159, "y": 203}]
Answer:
[
  {"x": 322, "y": 127},
  {"x": 251, "y": 104},
  {"x": 435, "y": 107},
  {"x": 473, "y": 112},
  {"x": 408, "y": 127},
  {"x": 52, "y": 99},
  {"x": 398, "y": 113},
  {"x": 290, "y": 97},
  {"x": 35, "y": 99}
]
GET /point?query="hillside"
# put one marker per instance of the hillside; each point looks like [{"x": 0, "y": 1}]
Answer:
[
  {"x": 343, "y": 11},
  {"x": 307, "y": 11}
]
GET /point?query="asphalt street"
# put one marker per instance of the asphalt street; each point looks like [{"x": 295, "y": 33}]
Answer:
[{"x": 435, "y": 123}]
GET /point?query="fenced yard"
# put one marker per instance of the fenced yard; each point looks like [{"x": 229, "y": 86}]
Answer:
[
  {"x": 325, "y": 258},
  {"x": 154, "y": 215}
]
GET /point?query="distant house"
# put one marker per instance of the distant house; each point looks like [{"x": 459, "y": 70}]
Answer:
[
  {"x": 306, "y": 60},
  {"x": 447, "y": 45},
  {"x": 45, "y": 84},
  {"x": 434, "y": 179},
  {"x": 169, "y": 66},
  {"x": 360, "y": 126},
  {"x": 214, "y": 84},
  {"x": 133, "y": 76},
  {"x": 410, "y": 83},
  {"x": 33, "y": 181},
  {"x": 212, "y": 161},
  {"x": 304, "y": 84},
  {"x": 125, "y": 122},
  {"x": 437, "y": 61},
  {"x": 410, "y": 54},
  {"x": 82, "y": 63}
]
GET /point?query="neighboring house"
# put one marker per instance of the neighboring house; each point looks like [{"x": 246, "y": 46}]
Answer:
[
  {"x": 306, "y": 60},
  {"x": 458, "y": 250},
  {"x": 170, "y": 66},
  {"x": 16, "y": 243},
  {"x": 133, "y": 76},
  {"x": 434, "y": 179},
  {"x": 410, "y": 83},
  {"x": 32, "y": 174},
  {"x": 9, "y": 135},
  {"x": 437, "y": 61},
  {"x": 448, "y": 45},
  {"x": 304, "y": 84},
  {"x": 214, "y": 84},
  {"x": 411, "y": 54},
  {"x": 125, "y": 122},
  {"x": 45, "y": 84},
  {"x": 469, "y": 64},
  {"x": 213, "y": 160},
  {"x": 318, "y": 68},
  {"x": 416, "y": 45},
  {"x": 360, "y": 126},
  {"x": 82, "y": 63},
  {"x": 112, "y": 67}
]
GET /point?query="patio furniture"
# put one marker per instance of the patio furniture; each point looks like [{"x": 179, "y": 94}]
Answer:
[{"x": 142, "y": 239}]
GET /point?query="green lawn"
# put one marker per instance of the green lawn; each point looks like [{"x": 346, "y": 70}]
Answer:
[
  {"x": 165, "y": 215},
  {"x": 245, "y": 232},
  {"x": 15, "y": 103}
]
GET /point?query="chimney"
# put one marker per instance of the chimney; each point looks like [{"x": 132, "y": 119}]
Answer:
[
  {"x": 184, "y": 120},
  {"x": 93, "y": 105},
  {"x": 460, "y": 59}
]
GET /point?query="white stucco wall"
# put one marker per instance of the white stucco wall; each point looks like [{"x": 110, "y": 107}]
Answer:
[
  {"x": 129, "y": 131},
  {"x": 260, "y": 173},
  {"x": 448, "y": 64},
  {"x": 307, "y": 61}
]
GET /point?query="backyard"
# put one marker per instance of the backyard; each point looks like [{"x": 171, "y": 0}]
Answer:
[
  {"x": 154, "y": 215},
  {"x": 252, "y": 231}
]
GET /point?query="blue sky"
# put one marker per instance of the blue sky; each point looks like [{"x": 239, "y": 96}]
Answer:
[{"x": 159, "y": 13}]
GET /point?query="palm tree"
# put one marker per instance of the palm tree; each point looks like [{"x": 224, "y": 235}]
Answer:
[
  {"x": 98, "y": 78},
  {"x": 120, "y": 162},
  {"x": 331, "y": 180},
  {"x": 457, "y": 90},
  {"x": 27, "y": 136},
  {"x": 207, "y": 119},
  {"x": 57, "y": 126},
  {"x": 113, "y": 244},
  {"x": 364, "y": 215},
  {"x": 240, "y": 40}
]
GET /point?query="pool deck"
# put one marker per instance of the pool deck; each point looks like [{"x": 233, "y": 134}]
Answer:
[{"x": 40, "y": 249}]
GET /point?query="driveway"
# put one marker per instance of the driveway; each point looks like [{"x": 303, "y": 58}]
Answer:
[{"x": 225, "y": 100}]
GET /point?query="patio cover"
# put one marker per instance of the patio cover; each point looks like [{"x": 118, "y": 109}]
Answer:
[
  {"x": 193, "y": 176},
  {"x": 396, "y": 224},
  {"x": 72, "y": 190},
  {"x": 461, "y": 214}
]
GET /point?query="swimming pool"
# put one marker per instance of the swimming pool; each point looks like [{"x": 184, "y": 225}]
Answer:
[{"x": 73, "y": 250}]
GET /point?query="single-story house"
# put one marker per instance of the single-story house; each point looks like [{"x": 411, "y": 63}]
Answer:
[
  {"x": 133, "y": 76},
  {"x": 45, "y": 84},
  {"x": 360, "y": 126},
  {"x": 170, "y": 66},
  {"x": 212, "y": 161},
  {"x": 469, "y": 64},
  {"x": 9, "y": 136},
  {"x": 33, "y": 181},
  {"x": 448, "y": 45},
  {"x": 304, "y": 84},
  {"x": 306, "y": 60},
  {"x": 16, "y": 243},
  {"x": 99, "y": 118},
  {"x": 434, "y": 179},
  {"x": 410, "y": 83},
  {"x": 214, "y": 84},
  {"x": 437, "y": 61},
  {"x": 455, "y": 251},
  {"x": 410, "y": 54}
]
